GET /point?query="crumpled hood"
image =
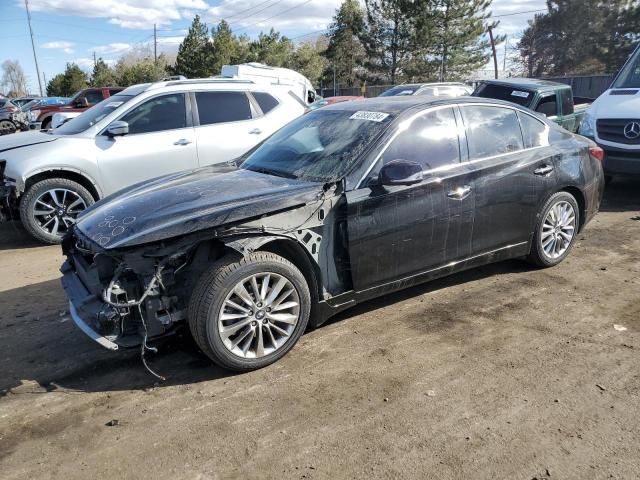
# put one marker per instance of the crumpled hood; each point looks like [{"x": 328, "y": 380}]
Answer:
[
  {"x": 10, "y": 142},
  {"x": 187, "y": 202},
  {"x": 616, "y": 106}
]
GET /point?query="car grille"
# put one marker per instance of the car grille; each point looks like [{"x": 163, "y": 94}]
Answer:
[{"x": 612, "y": 130}]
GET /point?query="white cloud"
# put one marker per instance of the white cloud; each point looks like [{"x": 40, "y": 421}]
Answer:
[
  {"x": 66, "y": 47},
  {"x": 136, "y": 14},
  {"x": 112, "y": 48},
  {"x": 85, "y": 63}
]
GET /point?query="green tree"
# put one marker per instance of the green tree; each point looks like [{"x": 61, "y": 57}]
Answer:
[
  {"x": 271, "y": 49},
  {"x": 345, "y": 53},
  {"x": 131, "y": 70},
  {"x": 226, "y": 47},
  {"x": 55, "y": 86},
  {"x": 67, "y": 83},
  {"x": 388, "y": 38},
  {"x": 308, "y": 59},
  {"x": 195, "y": 54},
  {"x": 598, "y": 39},
  {"x": 103, "y": 75}
]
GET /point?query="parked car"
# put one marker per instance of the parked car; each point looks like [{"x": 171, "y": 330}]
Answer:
[
  {"x": 62, "y": 117},
  {"x": 346, "y": 203},
  {"x": 42, "y": 116},
  {"x": 551, "y": 99},
  {"x": 323, "y": 102},
  {"x": 441, "y": 89},
  {"x": 20, "y": 102},
  {"x": 143, "y": 132},
  {"x": 11, "y": 117},
  {"x": 613, "y": 121},
  {"x": 44, "y": 101}
]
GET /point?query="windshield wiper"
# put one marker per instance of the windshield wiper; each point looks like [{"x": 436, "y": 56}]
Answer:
[{"x": 275, "y": 173}]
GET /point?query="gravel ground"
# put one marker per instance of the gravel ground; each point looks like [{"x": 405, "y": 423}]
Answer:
[{"x": 502, "y": 372}]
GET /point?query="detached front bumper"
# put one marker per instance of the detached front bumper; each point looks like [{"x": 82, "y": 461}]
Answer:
[{"x": 84, "y": 307}]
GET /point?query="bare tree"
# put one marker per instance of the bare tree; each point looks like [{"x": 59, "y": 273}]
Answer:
[{"x": 13, "y": 79}]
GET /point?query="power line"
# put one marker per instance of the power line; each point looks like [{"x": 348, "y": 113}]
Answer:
[
  {"x": 518, "y": 13},
  {"x": 274, "y": 16}
]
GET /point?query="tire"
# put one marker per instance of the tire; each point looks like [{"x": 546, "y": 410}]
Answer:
[
  {"x": 215, "y": 292},
  {"x": 38, "y": 197},
  {"x": 552, "y": 242},
  {"x": 7, "y": 127}
]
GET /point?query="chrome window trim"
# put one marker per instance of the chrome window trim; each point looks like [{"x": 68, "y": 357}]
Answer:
[{"x": 547, "y": 129}]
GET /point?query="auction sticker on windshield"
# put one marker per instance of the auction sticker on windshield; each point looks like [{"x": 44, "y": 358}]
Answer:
[
  {"x": 371, "y": 116},
  {"x": 518, "y": 93}
]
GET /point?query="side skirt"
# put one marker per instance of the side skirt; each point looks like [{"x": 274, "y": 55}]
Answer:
[{"x": 332, "y": 306}]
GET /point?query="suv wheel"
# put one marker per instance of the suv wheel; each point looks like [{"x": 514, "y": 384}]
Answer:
[
  {"x": 246, "y": 314},
  {"x": 49, "y": 208},
  {"x": 7, "y": 126},
  {"x": 556, "y": 230}
]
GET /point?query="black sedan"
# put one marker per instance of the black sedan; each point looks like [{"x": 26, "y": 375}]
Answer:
[{"x": 346, "y": 203}]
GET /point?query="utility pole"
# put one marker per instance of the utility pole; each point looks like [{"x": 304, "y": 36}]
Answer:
[
  {"x": 504, "y": 62},
  {"x": 493, "y": 48},
  {"x": 95, "y": 63},
  {"x": 33, "y": 46},
  {"x": 44, "y": 79},
  {"x": 155, "y": 44}
]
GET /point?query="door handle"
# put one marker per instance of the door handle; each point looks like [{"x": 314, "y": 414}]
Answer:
[
  {"x": 182, "y": 142},
  {"x": 255, "y": 131},
  {"x": 544, "y": 170},
  {"x": 459, "y": 193}
]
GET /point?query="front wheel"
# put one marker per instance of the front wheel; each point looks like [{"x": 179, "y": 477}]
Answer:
[
  {"x": 555, "y": 231},
  {"x": 247, "y": 313},
  {"x": 49, "y": 208},
  {"x": 7, "y": 127}
]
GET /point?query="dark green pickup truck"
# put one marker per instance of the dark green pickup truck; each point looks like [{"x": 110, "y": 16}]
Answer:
[{"x": 555, "y": 100}]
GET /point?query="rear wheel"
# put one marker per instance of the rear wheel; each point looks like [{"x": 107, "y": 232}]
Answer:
[
  {"x": 7, "y": 126},
  {"x": 247, "y": 313},
  {"x": 556, "y": 230},
  {"x": 49, "y": 208}
]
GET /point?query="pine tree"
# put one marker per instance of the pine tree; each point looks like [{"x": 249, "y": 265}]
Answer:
[
  {"x": 226, "y": 48},
  {"x": 308, "y": 59},
  {"x": 388, "y": 38},
  {"x": 345, "y": 53},
  {"x": 103, "y": 75},
  {"x": 271, "y": 49},
  {"x": 195, "y": 55}
]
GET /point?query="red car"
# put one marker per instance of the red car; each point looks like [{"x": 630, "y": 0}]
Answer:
[
  {"x": 323, "y": 102},
  {"x": 41, "y": 117}
]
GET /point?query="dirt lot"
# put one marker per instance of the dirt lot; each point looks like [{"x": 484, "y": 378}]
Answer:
[{"x": 503, "y": 372}]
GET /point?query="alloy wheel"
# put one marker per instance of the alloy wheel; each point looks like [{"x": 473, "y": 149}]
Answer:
[
  {"x": 56, "y": 210},
  {"x": 558, "y": 229},
  {"x": 259, "y": 315}
]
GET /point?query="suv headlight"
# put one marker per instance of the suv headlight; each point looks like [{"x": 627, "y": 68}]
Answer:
[
  {"x": 587, "y": 126},
  {"x": 33, "y": 115}
]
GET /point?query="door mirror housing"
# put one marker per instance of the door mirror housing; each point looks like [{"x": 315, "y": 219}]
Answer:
[
  {"x": 400, "y": 172},
  {"x": 117, "y": 129}
]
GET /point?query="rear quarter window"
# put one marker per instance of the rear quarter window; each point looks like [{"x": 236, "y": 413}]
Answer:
[
  {"x": 534, "y": 132},
  {"x": 267, "y": 102},
  {"x": 491, "y": 131}
]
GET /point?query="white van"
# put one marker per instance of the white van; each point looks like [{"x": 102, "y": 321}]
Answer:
[
  {"x": 613, "y": 121},
  {"x": 260, "y": 73}
]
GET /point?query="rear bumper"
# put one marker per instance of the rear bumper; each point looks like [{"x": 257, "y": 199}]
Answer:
[
  {"x": 84, "y": 307},
  {"x": 618, "y": 161}
]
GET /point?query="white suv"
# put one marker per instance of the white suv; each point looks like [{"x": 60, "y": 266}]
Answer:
[{"x": 142, "y": 132}]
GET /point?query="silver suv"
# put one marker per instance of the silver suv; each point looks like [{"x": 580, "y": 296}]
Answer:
[{"x": 143, "y": 132}]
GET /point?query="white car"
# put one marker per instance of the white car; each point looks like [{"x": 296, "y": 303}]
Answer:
[{"x": 140, "y": 133}]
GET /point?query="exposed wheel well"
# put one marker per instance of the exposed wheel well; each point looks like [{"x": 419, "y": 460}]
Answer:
[
  {"x": 69, "y": 175},
  {"x": 579, "y": 196},
  {"x": 299, "y": 257}
]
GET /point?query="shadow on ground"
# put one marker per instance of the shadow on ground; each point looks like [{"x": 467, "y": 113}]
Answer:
[{"x": 622, "y": 195}]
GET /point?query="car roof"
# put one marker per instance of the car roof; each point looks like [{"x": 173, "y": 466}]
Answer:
[
  {"x": 529, "y": 83},
  {"x": 399, "y": 104}
]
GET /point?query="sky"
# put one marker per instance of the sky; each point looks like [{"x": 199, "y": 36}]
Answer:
[{"x": 72, "y": 30}]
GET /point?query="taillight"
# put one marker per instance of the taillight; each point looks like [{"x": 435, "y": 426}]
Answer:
[{"x": 597, "y": 152}]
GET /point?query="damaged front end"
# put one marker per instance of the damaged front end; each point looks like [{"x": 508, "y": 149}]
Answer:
[
  {"x": 121, "y": 299},
  {"x": 8, "y": 195}
]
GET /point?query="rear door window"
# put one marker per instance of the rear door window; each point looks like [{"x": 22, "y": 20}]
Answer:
[
  {"x": 166, "y": 112},
  {"x": 491, "y": 131},
  {"x": 266, "y": 101},
  {"x": 566, "y": 98},
  {"x": 548, "y": 106},
  {"x": 222, "y": 107},
  {"x": 431, "y": 140},
  {"x": 534, "y": 131}
]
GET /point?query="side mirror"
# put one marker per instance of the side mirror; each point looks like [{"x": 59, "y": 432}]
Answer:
[
  {"x": 82, "y": 102},
  {"x": 400, "y": 172},
  {"x": 117, "y": 129}
]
